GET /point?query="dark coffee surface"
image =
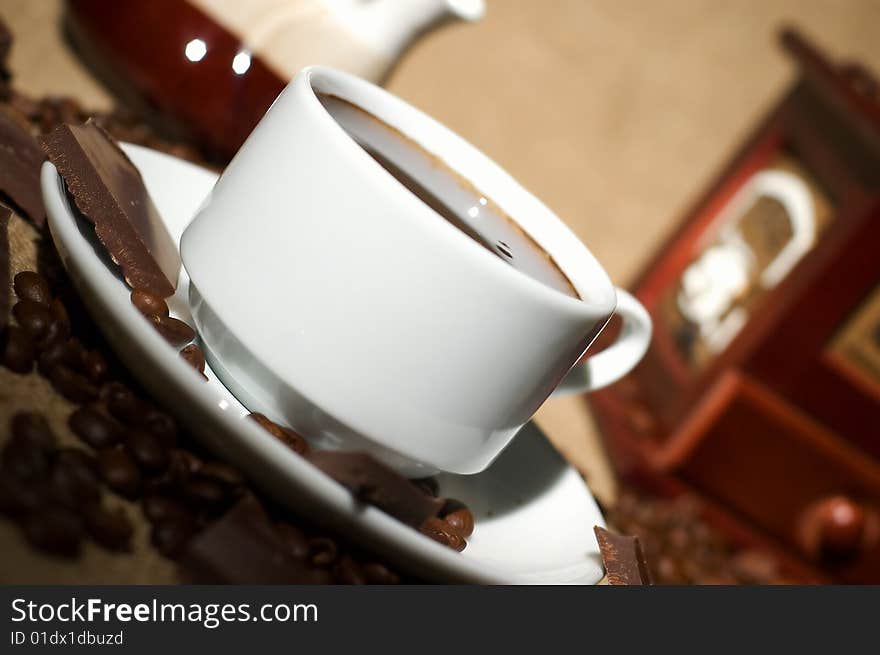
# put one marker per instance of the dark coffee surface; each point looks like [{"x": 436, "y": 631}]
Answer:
[{"x": 448, "y": 194}]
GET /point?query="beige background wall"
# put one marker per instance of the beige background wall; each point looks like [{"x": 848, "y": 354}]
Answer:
[{"x": 615, "y": 112}]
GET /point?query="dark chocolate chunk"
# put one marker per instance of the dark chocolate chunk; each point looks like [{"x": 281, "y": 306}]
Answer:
[
  {"x": 243, "y": 547},
  {"x": 623, "y": 558},
  {"x": 374, "y": 483},
  {"x": 20, "y": 161},
  {"x": 109, "y": 191}
]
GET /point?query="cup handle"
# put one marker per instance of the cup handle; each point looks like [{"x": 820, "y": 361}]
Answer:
[{"x": 619, "y": 358}]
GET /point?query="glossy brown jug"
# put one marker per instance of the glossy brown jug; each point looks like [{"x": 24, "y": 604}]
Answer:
[{"x": 207, "y": 70}]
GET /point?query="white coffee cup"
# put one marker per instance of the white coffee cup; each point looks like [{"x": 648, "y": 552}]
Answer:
[{"x": 331, "y": 298}]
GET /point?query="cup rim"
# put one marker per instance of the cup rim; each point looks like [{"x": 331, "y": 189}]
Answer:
[{"x": 595, "y": 290}]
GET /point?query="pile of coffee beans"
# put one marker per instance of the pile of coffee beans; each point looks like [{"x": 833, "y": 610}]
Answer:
[
  {"x": 681, "y": 548},
  {"x": 130, "y": 448},
  {"x": 55, "y": 493}
]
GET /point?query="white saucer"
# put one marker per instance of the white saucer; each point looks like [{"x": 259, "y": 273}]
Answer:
[{"x": 534, "y": 514}]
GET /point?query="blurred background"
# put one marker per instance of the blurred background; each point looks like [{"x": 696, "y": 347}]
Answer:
[{"x": 620, "y": 115}]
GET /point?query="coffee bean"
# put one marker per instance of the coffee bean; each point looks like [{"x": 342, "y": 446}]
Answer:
[
  {"x": 94, "y": 366},
  {"x": 186, "y": 462},
  {"x": 110, "y": 528},
  {"x": 286, "y": 435},
  {"x": 73, "y": 484},
  {"x": 461, "y": 520},
  {"x": 295, "y": 542},
  {"x": 21, "y": 497},
  {"x": 25, "y": 461},
  {"x": 147, "y": 450},
  {"x": 376, "y": 573},
  {"x": 73, "y": 386},
  {"x": 56, "y": 333},
  {"x": 159, "y": 509},
  {"x": 127, "y": 407},
  {"x": 68, "y": 352},
  {"x": 148, "y": 303},
  {"x": 222, "y": 473},
  {"x": 204, "y": 494},
  {"x": 94, "y": 427},
  {"x": 120, "y": 472},
  {"x": 175, "y": 332},
  {"x": 76, "y": 457},
  {"x": 74, "y": 353},
  {"x": 322, "y": 551},
  {"x": 32, "y": 286},
  {"x": 268, "y": 425},
  {"x": 110, "y": 390},
  {"x": 162, "y": 426},
  {"x": 194, "y": 356},
  {"x": 33, "y": 317},
  {"x": 440, "y": 531},
  {"x": 18, "y": 350},
  {"x": 56, "y": 530},
  {"x": 50, "y": 357},
  {"x": 170, "y": 537},
  {"x": 347, "y": 571},
  {"x": 182, "y": 465},
  {"x": 59, "y": 312},
  {"x": 33, "y": 428}
]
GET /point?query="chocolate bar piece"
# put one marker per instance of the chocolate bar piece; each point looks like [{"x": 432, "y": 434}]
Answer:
[
  {"x": 623, "y": 558},
  {"x": 5, "y": 285},
  {"x": 242, "y": 547},
  {"x": 372, "y": 482},
  {"x": 20, "y": 161},
  {"x": 109, "y": 191}
]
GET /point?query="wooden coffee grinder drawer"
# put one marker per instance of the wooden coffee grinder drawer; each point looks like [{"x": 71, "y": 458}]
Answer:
[{"x": 769, "y": 463}]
